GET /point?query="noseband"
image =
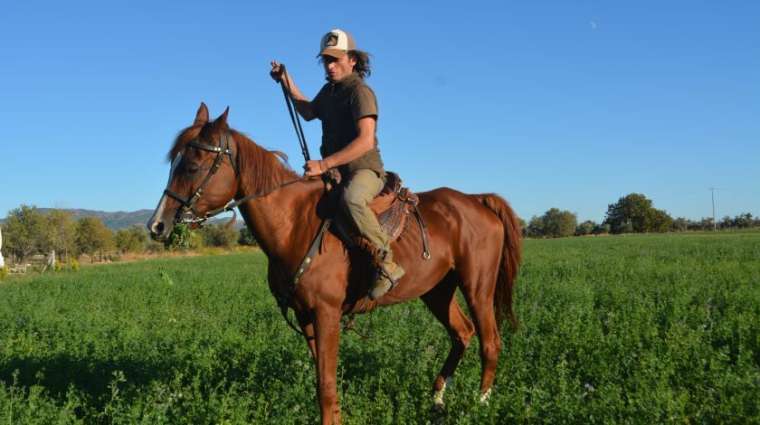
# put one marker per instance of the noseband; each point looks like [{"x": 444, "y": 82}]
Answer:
[{"x": 187, "y": 214}]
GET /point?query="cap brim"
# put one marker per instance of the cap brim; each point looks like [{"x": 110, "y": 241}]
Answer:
[{"x": 336, "y": 53}]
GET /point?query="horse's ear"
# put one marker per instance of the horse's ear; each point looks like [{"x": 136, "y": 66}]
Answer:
[
  {"x": 222, "y": 119},
  {"x": 201, "y": 117}
]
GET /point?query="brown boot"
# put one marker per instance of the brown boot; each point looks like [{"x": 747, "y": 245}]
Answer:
[{"x": 388, "y": 275}]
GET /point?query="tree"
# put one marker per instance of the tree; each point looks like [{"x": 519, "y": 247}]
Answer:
[
  {"x": 554, "y": 223},
  {"x": 635, "y": 213},
  {"x": 92, "y": 236},
  {"x": 219, "y": 235},
  {"x": 706, "y": 224},
  {"x": 743, "y": 221},
  {"x": 131, "y": 239},
  {"x": 602, "y": 229},
  {"x": 25, "y": 232},
  {"x": 61, "y": 232},
  {"x": 680, "y": 224},
  {"x": 585, "y": 228},
  {"x": 658, "y": 221},
  {"x": 631, "y": 209},
  {"x": 726, "y": 222},
  {"x": 536, "y": 227},
  {"x": 523, "y": 226},
  {"x": 558, "y": 223},
  {"x": 246, "y": 238}
]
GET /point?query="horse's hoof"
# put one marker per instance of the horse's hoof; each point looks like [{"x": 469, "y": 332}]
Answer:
[
  {"x": 438, "y": 399},
  {"x": 484, "y": 397},
  {"x": 438, "y": 394}
]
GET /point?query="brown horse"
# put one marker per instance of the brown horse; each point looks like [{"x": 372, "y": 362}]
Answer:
[{"x": 475, "y": 244}]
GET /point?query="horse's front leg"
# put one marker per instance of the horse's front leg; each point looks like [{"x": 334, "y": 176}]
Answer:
[{"x": 327, "y": 333}]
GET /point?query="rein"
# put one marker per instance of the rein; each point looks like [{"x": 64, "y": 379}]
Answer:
[
  {"x": 232, "y": 204},
  {"x": 293, "y": 115}
]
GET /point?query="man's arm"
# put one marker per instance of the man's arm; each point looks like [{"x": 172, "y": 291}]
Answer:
[
  {"x": 302, "y": 103},
  {"x": 363, "y": 143}
]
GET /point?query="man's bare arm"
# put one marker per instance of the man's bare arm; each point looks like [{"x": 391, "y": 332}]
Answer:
[{"x": 363, "y": 143}]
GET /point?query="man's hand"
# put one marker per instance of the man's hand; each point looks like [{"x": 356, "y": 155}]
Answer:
[
  {"x": 315, "y": 168},
  {"x": 276, "y": 72}
]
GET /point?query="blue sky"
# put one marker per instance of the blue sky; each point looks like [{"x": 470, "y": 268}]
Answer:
[{"x": 550, "y": 104}]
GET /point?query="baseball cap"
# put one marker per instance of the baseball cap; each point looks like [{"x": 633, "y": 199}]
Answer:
[{"x": 336, "y": 43}]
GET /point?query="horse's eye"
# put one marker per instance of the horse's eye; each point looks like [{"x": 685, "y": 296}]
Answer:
[{"x": 192, "y": 168}]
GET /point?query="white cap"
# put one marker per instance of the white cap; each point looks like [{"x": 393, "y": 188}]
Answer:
[{"x": 336, "y": 43}]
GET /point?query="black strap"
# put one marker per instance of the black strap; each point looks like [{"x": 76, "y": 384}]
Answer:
[
  {"x": 284, "y": 311},
  {"x": 312, "y": 252},
  {"x": 283, "y": 300},
  {"x": 423, "y": 230},
  {"x": 293, "y": 114}
]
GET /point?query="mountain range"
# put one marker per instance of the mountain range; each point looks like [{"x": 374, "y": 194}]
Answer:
[{"x": 123, "y": 219}]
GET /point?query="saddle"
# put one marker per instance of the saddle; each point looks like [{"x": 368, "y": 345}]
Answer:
[{"x": 392, "y": 206}]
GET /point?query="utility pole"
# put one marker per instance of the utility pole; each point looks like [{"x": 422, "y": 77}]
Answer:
[{"x": 715, "y": 223}]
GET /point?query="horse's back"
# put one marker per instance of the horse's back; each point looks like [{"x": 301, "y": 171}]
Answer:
[
  {"x": 463, "y": 207},
  {"x": 464, "y": 220}
]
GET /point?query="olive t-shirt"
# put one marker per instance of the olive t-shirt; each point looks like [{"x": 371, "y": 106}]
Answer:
[{"x": 339, "y": 106}]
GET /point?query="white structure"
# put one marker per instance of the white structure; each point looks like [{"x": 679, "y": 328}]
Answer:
[
  {"x": 50, "y": 262},
  {"x": 2, "y": 262}
]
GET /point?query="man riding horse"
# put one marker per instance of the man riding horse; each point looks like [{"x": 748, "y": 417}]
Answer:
[
  {"x": 347, "y": 107},
  {"x": 474, "y": 239}
]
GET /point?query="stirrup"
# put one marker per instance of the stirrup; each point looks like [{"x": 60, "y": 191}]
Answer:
[{"x": 383, "y": 279}]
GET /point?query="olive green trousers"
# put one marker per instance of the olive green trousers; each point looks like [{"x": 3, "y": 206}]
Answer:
[{"x": 362, "y": 188}]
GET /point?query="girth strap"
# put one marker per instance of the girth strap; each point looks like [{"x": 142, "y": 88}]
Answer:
[
  {"x": 312, "y": 252},
  {"x": 423, "y": 230}
]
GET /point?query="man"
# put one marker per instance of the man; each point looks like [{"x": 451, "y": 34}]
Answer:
[{"x": 348, "y": 110}]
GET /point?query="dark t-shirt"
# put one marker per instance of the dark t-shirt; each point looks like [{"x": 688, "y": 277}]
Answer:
[{"x": 339, "y": 106}]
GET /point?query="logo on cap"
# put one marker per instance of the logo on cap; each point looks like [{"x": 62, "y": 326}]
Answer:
[{"x": 332, "y": 40}]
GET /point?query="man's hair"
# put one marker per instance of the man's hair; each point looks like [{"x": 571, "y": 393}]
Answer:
[{"x": 362, "y": 66}]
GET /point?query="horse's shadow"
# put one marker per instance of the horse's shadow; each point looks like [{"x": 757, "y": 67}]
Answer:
[
  {"x": 90, "y": 377},
  {"x": 358, "y": 364}
]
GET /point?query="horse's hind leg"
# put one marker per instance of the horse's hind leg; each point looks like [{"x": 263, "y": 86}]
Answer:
[
  {"x": 478, "y": 286},
  {"x": 442, "y": 303}
]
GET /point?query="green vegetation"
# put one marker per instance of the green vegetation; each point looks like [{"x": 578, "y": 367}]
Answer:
[
  {"x": 633, "y": 213},
  {"x": 627, "y": 329},
  {"x": 553, "y": 224},
  {"x": 30, "y": 232}
]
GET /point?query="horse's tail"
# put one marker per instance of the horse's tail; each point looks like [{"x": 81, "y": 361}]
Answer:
[{"x": 510, "y": 257}]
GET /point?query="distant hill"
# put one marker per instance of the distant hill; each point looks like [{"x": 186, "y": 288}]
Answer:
[
  {"x": 112, "y": 220},
  {"x": 123, "y": 219}
]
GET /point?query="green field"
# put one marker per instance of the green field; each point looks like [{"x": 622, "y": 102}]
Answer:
[{"x": 635, "y": 329}]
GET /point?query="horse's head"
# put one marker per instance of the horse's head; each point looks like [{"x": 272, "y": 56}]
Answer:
[{"x": 203, "y": 175}]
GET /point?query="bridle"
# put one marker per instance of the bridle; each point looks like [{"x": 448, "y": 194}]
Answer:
[{"x": 186, "y": 213}]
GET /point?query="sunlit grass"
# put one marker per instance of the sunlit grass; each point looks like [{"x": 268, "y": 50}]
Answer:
[{"x": 636, "y": 329}]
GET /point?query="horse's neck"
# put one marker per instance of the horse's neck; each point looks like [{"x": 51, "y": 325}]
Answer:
[
  {"x": 283, "y": 221},
  {"x": 277, "y": 219}
]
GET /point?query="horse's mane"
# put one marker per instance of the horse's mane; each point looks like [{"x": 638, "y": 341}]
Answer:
[{"x": 266, "y": 169}]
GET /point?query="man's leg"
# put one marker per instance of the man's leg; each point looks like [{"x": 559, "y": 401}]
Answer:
[{"x": 361, "y": 189}]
